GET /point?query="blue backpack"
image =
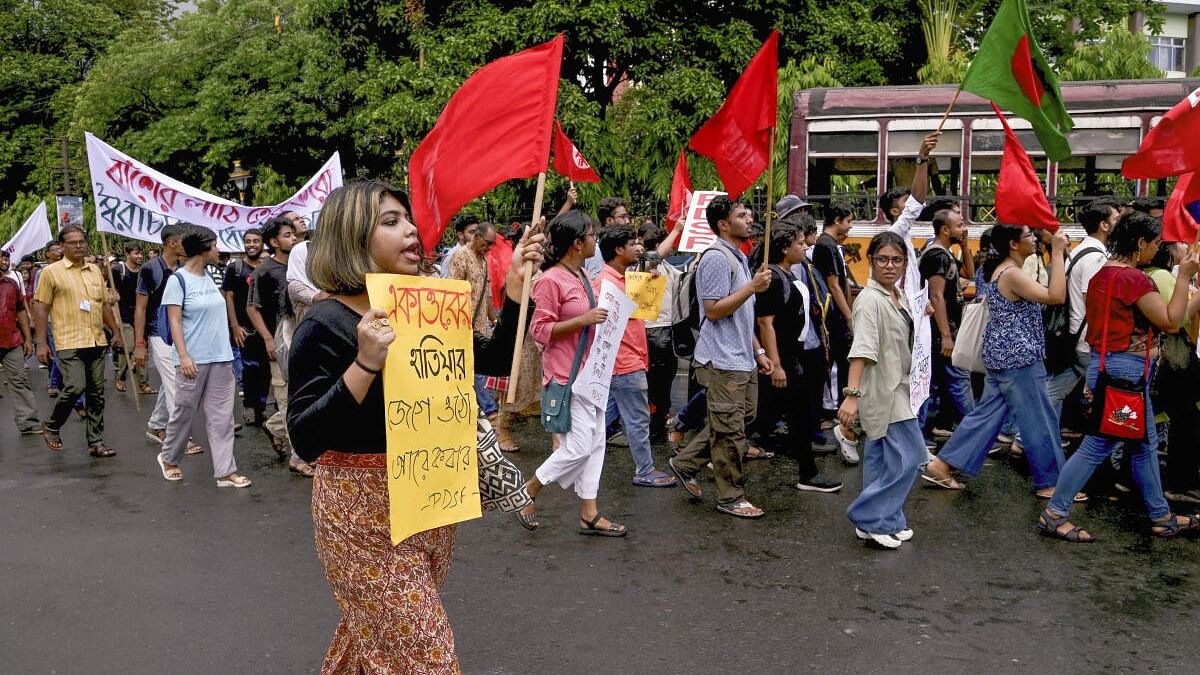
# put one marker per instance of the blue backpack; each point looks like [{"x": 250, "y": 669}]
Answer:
[{"x": 161, "y": 318}]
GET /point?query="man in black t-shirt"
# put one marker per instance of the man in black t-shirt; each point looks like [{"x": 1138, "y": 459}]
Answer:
[
  {"x": 950, "y": 386},
  {"x": 250, "y": 361},
  {"x": 125, "y": 275},
  {"x": 831, "y": 264}
]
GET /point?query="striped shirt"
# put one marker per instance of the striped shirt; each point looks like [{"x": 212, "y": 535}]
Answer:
[{"x": 75, "y": 297}]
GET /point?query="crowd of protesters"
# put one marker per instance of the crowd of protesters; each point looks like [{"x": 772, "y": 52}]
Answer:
[{"x": 788, "y": 355}]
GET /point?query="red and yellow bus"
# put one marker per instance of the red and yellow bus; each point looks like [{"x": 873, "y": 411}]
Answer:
[{"x": 851, "y": 144}]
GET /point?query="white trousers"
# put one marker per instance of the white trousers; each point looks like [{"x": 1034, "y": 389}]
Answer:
[
  {"x": 579, "y": 459},
  {"x": 164, "y": 362}
]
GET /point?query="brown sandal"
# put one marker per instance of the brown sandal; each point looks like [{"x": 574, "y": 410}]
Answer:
[
  {"x": 53, "y": 440},
  {"x": 119, "y": 385},
  {"x": 146, "y": 389}
]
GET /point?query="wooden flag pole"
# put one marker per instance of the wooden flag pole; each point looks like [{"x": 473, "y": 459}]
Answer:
[
  {"x": 525, "y": 288},
  {"x": 112, "y": 284},
  {"x": 949, "y": 109},
  {"x": 770, "y": 201}
]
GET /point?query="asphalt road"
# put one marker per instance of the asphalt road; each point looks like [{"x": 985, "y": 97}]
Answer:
[{"x": 107, "y": 568}]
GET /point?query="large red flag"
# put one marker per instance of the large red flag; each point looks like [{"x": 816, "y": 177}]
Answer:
[
  {"x": 1183, "y": 211},
  {"x": 738, "y": 138},
  {"x": 569, "y": 162},
  {"x": 681, "y": 192},
  {"x": 499, "y": 257},
  {"x": 1172, "y": 147},
  {"x": 495, "y": 128},
  {"x": 1020, "y": 199}
]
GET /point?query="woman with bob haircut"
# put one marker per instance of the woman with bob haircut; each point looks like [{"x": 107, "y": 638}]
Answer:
[
  {"x": 877, "y": 398},
  {"x": 392, "y": 619}
]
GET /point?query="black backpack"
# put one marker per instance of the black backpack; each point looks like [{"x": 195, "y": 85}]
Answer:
[
  {"x": 1061, "y": 341},
  {"x": 685, "y": 310}
]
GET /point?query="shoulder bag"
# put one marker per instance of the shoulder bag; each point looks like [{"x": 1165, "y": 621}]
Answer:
[
  {"x": 1118, "y": 409},
  {"x": 968, "y": 344},
  {"x": 556, "y": 398}
]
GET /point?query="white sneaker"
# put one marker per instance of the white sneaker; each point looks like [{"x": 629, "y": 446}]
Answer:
[
  {"x": 846, "y": 447},
  {"x": 884, "y": 540},
  {"x": 904, "y": 535}
]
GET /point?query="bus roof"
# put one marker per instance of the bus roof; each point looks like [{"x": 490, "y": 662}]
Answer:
[{"x": 925, "y": 100}]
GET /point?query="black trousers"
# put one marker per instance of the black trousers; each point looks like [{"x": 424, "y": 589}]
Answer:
[
  {"x": 798, "y": 403},
  {"x": 660, "y": 377},
  {"x": 256, "y": 373}
]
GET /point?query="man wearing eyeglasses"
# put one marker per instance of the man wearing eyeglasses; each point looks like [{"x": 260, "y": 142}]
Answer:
[{"x": 612, "y": 212}]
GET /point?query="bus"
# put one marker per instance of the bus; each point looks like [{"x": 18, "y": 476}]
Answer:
[{"x": 851, "y": 144}]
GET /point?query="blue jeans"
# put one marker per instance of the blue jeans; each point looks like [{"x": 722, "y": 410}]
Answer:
[
  {"x": 952, "y": 386},
  {"x": 237, "y": 365},
  {"x": 1096, "y": 449},
  {"x": 890, "y": 467},
  {"x": 487, "y": 402},
  {"x": 1020, "y": 392},
  {"x": 628, "y": 393}
]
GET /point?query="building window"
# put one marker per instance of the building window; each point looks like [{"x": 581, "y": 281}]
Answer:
[{"x": 1166, "y": 53}]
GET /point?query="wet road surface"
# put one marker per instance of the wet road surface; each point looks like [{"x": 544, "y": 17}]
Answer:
[{"x": 107, "y": 568}]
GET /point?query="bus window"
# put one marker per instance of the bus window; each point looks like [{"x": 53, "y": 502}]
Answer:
[
  {"x": 945, "y": 169},
  {"x": 1082, "y": 178},
  {"x": 843, "y": 163},
  {"x": 985, "y": 171}
]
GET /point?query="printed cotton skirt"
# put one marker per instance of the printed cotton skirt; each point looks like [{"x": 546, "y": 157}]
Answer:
[{"x": 393, "y": 620}]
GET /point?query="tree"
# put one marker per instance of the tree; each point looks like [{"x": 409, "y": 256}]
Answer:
[
  {"x": 46, "y": 47},
  {"x": 946, "y": 63},
  {"x": 1118, "y": 55}
]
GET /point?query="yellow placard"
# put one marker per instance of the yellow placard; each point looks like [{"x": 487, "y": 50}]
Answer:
[
  {"x": 428, "y": 386},
  {"x": 646, "y": 289}
]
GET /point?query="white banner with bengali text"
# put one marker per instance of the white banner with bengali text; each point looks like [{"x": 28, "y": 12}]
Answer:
[
  {"x": 920, "y": 374},
  {"x": 595, "y": 377},
  {"x": 135, "y": 201}
]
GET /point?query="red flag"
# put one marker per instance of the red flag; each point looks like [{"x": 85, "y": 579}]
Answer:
[
  {"x": 681, "y": 192},
  {"x": 495, "y": 128},
  {"x": 569, "y": 162},
  {"x": 738, "y": 138},
  {"x": 498, "y": 260},
  {"x": 1020, "y": 199},
  {"x": 1172, "y": 147},
  {"x": 1183, "y": 211}
]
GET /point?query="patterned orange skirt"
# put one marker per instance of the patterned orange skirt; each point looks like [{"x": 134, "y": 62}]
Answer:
[{"x": 392, "y": 621}]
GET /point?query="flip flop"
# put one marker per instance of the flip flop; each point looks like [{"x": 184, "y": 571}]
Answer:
[
  {"x": 146, "y": 389},
  {"x": 120, "y": 386},
  {"x": 170, "y": 474},
  {"x": 53, "y": 440},
  {"x": 944, "y": 483},
  {"x": 742, "y": 509},
  {"x": 527, "y": 520}
]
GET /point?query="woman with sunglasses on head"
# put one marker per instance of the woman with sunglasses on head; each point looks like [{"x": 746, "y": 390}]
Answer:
[
  {"x": 1124, "y": 309},
  {"x": 392, "y": 618},
  {"x": 1014, "y": 352},
  {"x": 877, "y": 398}
]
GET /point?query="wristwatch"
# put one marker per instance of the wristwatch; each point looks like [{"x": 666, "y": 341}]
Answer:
[
  {"x": 760, "y": 352},
  {"x": 851, "y": 391},
  {"x": 922, "y": 159}
]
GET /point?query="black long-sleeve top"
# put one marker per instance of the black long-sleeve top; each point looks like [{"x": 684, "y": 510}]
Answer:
[{"x": 323, "y": 414}]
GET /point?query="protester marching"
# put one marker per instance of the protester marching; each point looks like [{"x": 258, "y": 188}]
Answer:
[{"x": 403, "y": 389}]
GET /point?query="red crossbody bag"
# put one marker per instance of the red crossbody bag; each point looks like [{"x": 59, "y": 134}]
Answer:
[{"x": 1119, "y": 406}]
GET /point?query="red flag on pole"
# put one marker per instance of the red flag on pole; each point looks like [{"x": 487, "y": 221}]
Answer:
[
  {"x": 738, "y": 138},
  {"x": 496, "y": 127},
  {"x": 1183, "y": 211},
  {"x": 569, "y": 162},
  {"x": 1020, "y": 199},
  {"x": 1172, "y": 147},
  {"x": 681, "y": 192}
]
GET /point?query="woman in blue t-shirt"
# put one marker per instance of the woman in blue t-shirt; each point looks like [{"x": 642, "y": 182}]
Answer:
[{"x": 204, "y": 374}]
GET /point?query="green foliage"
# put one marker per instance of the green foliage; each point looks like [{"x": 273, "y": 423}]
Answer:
[
  {"x": 946, "y": 63},
  {"x": 1118, "y": 55}
]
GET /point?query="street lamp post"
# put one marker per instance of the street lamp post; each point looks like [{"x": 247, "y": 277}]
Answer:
[{"x": 241, "y": 179}]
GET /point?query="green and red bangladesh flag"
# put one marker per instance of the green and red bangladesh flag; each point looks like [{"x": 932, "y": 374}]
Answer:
[{"x": 1010, "y": 70}]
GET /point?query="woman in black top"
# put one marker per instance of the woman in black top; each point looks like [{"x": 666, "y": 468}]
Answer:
[{"x": 392, "y": 615}]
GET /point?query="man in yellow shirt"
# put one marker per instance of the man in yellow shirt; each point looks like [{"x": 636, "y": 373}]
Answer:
[{"x": 71, "y": 294}]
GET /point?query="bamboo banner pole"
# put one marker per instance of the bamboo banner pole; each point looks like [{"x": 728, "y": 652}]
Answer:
[
  {"x": 525, "y": 288},
  {"x": 770, "y": 201},
  {"x": 949, "y": 109},
  {"x": 112, "y": 284}
]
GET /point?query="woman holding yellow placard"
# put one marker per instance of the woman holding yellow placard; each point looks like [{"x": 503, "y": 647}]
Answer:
[{"x": 392, "y": 615}]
